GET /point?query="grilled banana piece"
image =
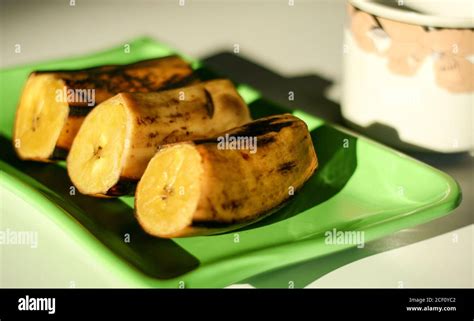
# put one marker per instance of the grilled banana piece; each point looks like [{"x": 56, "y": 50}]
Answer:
[
  {"x": 119, "y": 137},
  {"x": 214, "y": 185},
  {"x": 54, "y": 103}
]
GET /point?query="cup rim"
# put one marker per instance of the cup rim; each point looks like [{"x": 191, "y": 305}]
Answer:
[{"x": 415, "y": 18}]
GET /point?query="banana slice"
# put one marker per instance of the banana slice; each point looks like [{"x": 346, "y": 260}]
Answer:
[
  {"x": 97, "y": 162},
  {"x": 119, "y": 137},
  {"x": 39, "y": 118},
  {"x": 171, "y": 191},
  {"x": 222, "y": 183},
  {"x": 54, "y": 104}
]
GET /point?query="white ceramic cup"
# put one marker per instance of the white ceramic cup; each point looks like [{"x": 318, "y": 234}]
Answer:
[{"x": 409, "y": 73}]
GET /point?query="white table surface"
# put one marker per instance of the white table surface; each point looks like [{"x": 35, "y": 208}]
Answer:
[{"x": 290, "y": 40}]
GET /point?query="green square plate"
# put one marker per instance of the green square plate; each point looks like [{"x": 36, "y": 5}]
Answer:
[{"x": 359, "y": 186}]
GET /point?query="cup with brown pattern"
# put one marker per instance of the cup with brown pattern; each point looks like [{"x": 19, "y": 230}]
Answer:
[{"x": 409, "y": 73}]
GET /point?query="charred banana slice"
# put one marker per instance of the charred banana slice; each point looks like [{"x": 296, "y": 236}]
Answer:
[
  {"x": 54, "y": 104},
  {"x": 119, "y": 137},
  {"x": 215, "y": 185}
]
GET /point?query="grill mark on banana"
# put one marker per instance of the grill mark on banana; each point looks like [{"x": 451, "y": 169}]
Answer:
[
  {"x": 260, "y": 128},
  {"x": 177, "y": 82},
  {"x": 131, "y": 127},
  {"x": 286, "y": 167},
  {"x": 213, "y": 226},
  {"x": 209, "y": 104},
  {"x": 43, "y": 123},
  {"x": 225, "y": 189}
]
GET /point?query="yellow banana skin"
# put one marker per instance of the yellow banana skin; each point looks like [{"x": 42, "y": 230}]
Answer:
[
  {"x": 54, "y": 104},
  {"x": 198, "y": 188},
  {"x": 119, "y": 137}
]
